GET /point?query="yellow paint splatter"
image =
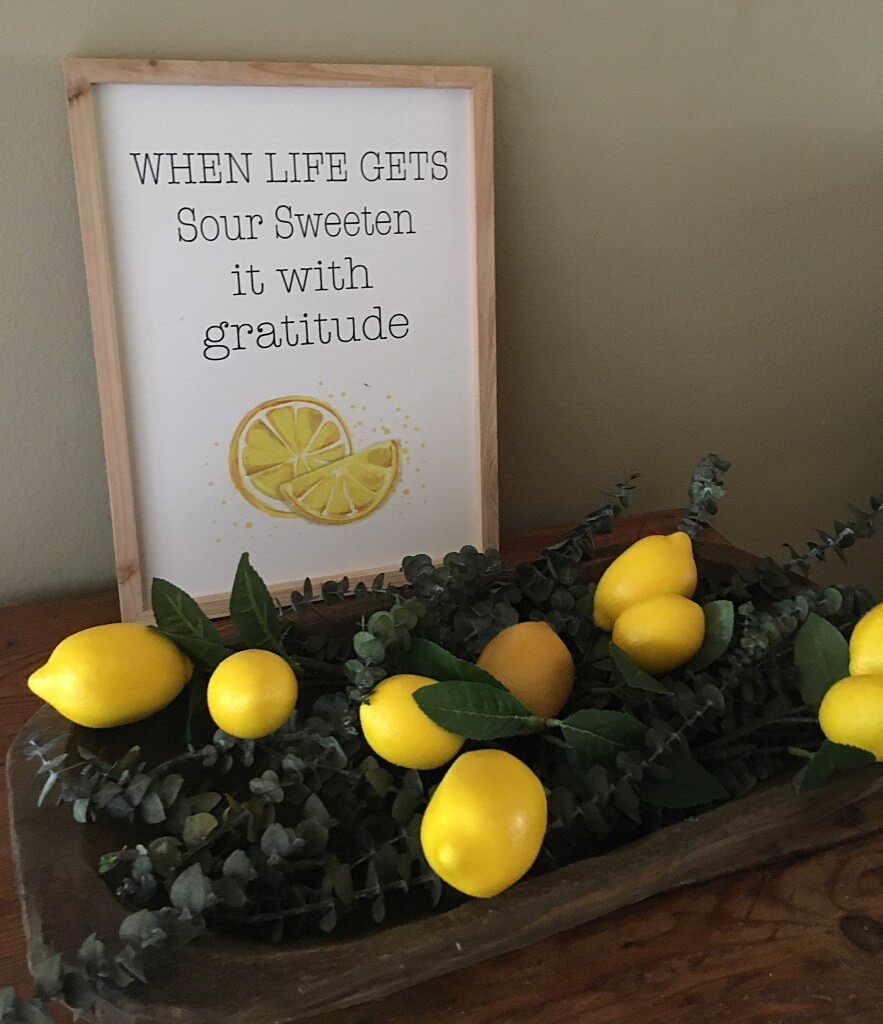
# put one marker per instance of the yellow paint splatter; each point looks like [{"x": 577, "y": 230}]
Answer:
[
  {"x": 389, "y": 397},
  {"x": 398, "y": 408},
  {"x": 417, "y": 470},
  {"x": 343, "y": 394},
  {"x": 387, "y": 431},
  {"x": 248, "y": 526},
  {"x": 217, "y": 540},
  {"x": 352, "y": 407},
  {"x": 406, "y": 490},
  {"x": 423, "y": 487}
]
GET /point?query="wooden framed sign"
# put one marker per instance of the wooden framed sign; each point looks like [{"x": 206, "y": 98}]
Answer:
[{"x": 291, "y": 281}]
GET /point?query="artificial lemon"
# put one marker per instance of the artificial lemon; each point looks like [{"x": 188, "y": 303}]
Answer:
[
  {"x": 866, "y": 644},
  {"x": 852, "y": 713},
  {"x": 397, "y": 729},
  {"x": 485, "y": 823},
  {"x": 251, "y": 694},
  {"x": 533, "y": 663},
  {"x": 649, "y": 567},
  {"x": 112, "y": 675},
  {"x": 347, "y": 490},
  {"x": 660, "y": 633},
  {"x": 279, "y": 440}
]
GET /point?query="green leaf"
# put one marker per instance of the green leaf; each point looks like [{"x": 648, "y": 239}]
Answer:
[
  {"x": 829, "y": 759},
  {"x": 369, "y": 648},
  {"x": 631, "y": 675},
  {"x": 598, "y": 736},
  {"x": 720, "y": 618},
  {"x": 474, "y": 710},
  {"x": 181, "y": 619},
  {"x": 190, "y": 891},
  {"x": 821, "y": 655},
  {"x": 198, "y": 827},
  {"x": 428, "y": 659},
  {"x": 107, "y": 862},
  {"x": 690, "y": 785},
  {"x": 254, "y": 611}
]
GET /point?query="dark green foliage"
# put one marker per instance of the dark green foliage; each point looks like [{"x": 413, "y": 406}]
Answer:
[
  {"x": 181, "y": 619},
  {"x": 828, "y": 760},
  {"x": 859, "y": 526},
  {"x": 305, "y": 829},
  {"x": 821, "y": 654},
  {"x": 706, "y": 491}
]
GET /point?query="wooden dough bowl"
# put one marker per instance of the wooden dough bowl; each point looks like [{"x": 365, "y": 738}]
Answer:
[{"x": 238, "y": 982}]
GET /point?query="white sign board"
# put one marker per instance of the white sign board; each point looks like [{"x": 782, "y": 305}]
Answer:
[{"x": 296, "y": 278}]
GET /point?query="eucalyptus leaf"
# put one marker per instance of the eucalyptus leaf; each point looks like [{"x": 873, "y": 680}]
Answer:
[
  {"x": 190, "y": 891},
  {"x": 254, "y": 611},
  {"x": 690, "y": 784},
  {"x": 598, "y": 736},
  {"x": 181, "y": 619},
  {"x": 720, "y": 619},
  {"x": 474, "y": 710},
  {"x": 828, "y": 760},
  {"x": 631, "y": 675},
  {"x": 198, "y": 827},
  {"x": 821, "y": 654},
  {"x": 426, "y": 658}
]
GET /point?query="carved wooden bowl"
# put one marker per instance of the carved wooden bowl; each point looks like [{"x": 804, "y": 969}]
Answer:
[{"x": 239, "y": 982}]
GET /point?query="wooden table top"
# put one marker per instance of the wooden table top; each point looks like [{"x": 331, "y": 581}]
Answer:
[{"x": 796, "y": 942}]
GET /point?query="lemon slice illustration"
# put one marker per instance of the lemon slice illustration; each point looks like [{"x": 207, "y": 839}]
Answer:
[
  {"x": 347, "y": 490},
  {"x": 282, "y": 439}
]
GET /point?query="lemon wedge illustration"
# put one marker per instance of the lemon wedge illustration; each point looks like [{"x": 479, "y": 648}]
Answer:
[
  {"x": 346, "y": 490},
  {"x": 282, "y": 439}
]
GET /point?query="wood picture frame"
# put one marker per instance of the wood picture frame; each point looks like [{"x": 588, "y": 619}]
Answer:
[{"x": 84, "y": 77}]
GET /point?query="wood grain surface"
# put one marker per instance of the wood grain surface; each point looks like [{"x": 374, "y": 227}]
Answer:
[{"x": 794, "y": 942}]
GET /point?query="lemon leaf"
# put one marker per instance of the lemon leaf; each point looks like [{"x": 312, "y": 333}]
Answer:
[
  {"x": 631, "y": 675},
  {"x": 598, "y": 736},
  {"x": 254, "y": 611},
  {"x": 719, "y": 621},
  {"x": 473, "y": 710},
  {"x": 181, "y": 619},
  {"x": 821, "y": 655},
  {"x": 829, "y": 759},
  {"x": 690, "y": 784},
  {"x": 428, "y": 659}
]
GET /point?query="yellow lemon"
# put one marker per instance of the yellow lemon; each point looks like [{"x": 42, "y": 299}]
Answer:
[
  {"x": 866, "y": 644},
  {"x": 398, "y": 731},
  {"x": 852, "y": 713},
  {"x": 534, "y": 664},
  {"x": 660, "y": 633},
  {"x": 251, "y": 694},
  {"x": 485, "y": 823},
  {"x": 649, "y": 567},
  {"x": 279, "y": 440},
  {"x": 112, "y": 675},
  {"x": 346, "y": 490}
]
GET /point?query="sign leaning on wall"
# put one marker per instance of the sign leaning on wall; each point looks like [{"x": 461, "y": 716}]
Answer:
[{"x": 290, "y": 273}]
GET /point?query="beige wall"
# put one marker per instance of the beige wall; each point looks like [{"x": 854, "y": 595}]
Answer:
[{"x": 689, "y": 249}]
